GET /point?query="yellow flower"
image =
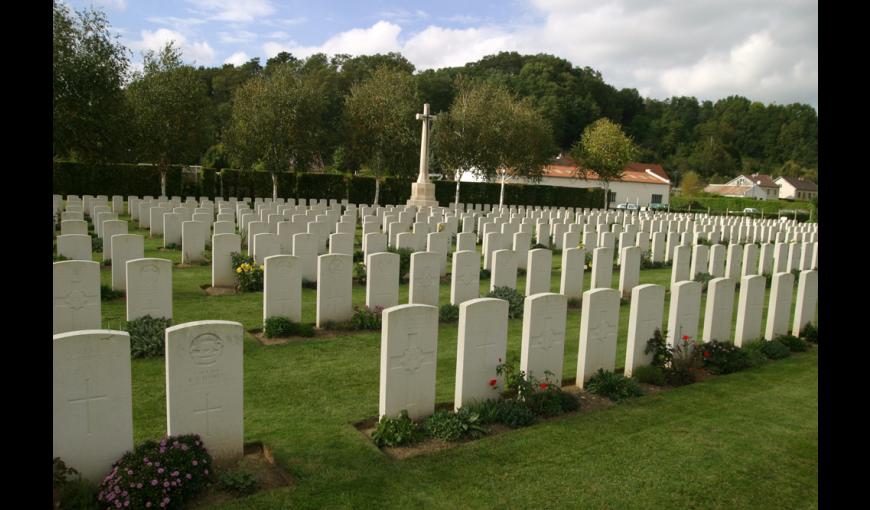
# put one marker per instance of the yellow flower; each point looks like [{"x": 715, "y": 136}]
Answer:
[{"x": 239, "y": 270}]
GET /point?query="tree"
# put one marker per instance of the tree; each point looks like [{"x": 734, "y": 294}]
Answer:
[
  {"x": 604, "y": 149},
  {"x": 171, "y": 112},
  {"x": 488, "y": 131},
  {"x": 380, "y": 118},
  {"x": 277, "y": 123},
  {"x": 691, "y": 184},
  {"x": 89, "y": 67}
]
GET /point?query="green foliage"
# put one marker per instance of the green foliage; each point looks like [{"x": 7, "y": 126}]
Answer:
[
  {"x": 404, "y": 262},
  {"x": 515, "y": 299},
  {"x": 147, "y": 336},
  {"x": 793, "y": 343},
  {"x": 308, "y": 284},
  {"x": 549, "y": 400},
  {"x": 685, "y": 361},
  {"x": 704, "y": 280},
  {"x": 650, "y": 374},
  {"x": 810, "y": 333},
  {"x": 70, "y": 178},
  {"x": 367, "y": 318},
  {"x": 249, "y": 274},
  {"x": 575, "y": 302},
  {"x": 282, "y": 327},
  {"x": 172, "y": 472},
  {"x": 755, "y": 354},
  {"x": 78, "y": 495},
  {"x": 658, "y": 347},
  {"x": 96, "y": 243},
  {"x": 516, "y": 384},
  {"x": 89, "y": 66},
  {"x": 614, "y": 386},
  {"x": 322, "y": 186},
  {"x": 646, "y": 262},
  {"x": 724, "y": 357},
  {"x": 108, "y": 294},
  {"x": 448, "y": 313},
  {"x": 450, "y": 426},
  {"x": 397, "y": 431},
  {"x": 238, "y": 482},
  {"x": 359, "y": 273},
  {"x": 485, "y": 274},
  {"x": 775, "y": 349},
  {"x": 604, "y": 149},
  {"x": 512, "y": 413}
]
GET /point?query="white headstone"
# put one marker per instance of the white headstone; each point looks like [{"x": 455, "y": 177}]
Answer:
[
  {"x": 282, "y": 288},
  {"x": 92, "y": 409},
  {"x": 629, "y": 270},
  {"x": 684, "y": 312},
  {"x": 465, "y": 276},
  {"x": 750, "y": 305},
  {"x": 504, "y": 269},
  {"x": 543, "y": 340},
  {"x": 149, "y": 288},
  {"x": 602, "y": 268},
  {"x": 645, "y": 316},
  {"x": 481, "y": 347},
  {"x": 807, "y": 298},
  {"x": 779, "y": 305},
  {"x": 424, "y": 283},
  {"x": 382, "y": 280},
  {"x": 571, "y": 278},
  {"x": 409, "y": 353},
  {"x": 76, "y": 291},
  {"x": 223, "y": 245},
  {"x": 192, "y": 242},
  {"x": 599, "y": 324},
  {"x": 540, "y": 262},
  {"x": 334, "y": 288},
  {"x": 204, "y": 385},
  {"x": 74, "y": 246},
  {"x": 719, "y": 310}
]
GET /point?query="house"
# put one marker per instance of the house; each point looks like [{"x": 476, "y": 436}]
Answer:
[
  {"x": 750, "y": 190},
  {"x": 641, "y": 183},
  {"x": 762, "y": 181},
  {"x": 797, "y": 189}
]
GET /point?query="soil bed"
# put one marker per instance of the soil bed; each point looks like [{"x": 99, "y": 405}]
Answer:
[{"x": 257, "y": 461}]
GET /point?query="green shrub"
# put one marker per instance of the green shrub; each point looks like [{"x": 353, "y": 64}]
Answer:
[
  {"x": 147, "y": 336},
  {"x": 550, "y": 400},
  {"x": 724, "y": 358},
  {"x": 249, "y": 274},
  {"x": 448, "y": 313},
  {"x": 359, "y": 273},
  {"x": 650, "y": 374},
  {"x": 282, "y": 327},
  {"x": 75, "y": 493},
  {"x": 308, "y": 284},
  {"x": 810, "y": 333},
  {"x": 575, "y": 302},
  {"x": 171, "y": 472},
  {"x": 359, "y": 257},
  {"x": 238, "y": 482},
  {"x": 516, "y": 300},
  {"x": 793, "y": 343},
  {"x": 449, "y": 426},
  {"x": 60, "y": 258},
  {"x": 404, "y": 262},
  {"x": 367, "y": 318},
  {"x": 108, "y": 294},
  {"x": 775, "y": 350},
  {"x": 704, "y": 279},
  {"x": 515, "y": 414},
  {"x": 685, "y": 360},
  {"x": 614, "y": 386},
  {"x": 96, "y": 243},
  {"x": 755, "y": 355},
  {"x": 397, "y": 431},
  {"x": 658, "y": 347},
  {"x": 485, "y": 274},
  {"x": 172, "y": 246}
]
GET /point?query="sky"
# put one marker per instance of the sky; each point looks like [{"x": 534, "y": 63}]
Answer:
[{"x": 765, "y": 50}]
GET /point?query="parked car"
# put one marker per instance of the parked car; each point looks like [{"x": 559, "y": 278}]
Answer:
[
  {"x": 656, "y": 207},
  {"x": 751, "y": 210},
  {"x": 627, "y": 206}
]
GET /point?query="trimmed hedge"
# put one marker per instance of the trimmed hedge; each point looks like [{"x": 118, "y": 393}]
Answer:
[
  {"x": 129, "y": 179},
  {"x": 321, "y": 186},
  {"x": 125, "y": 179}
]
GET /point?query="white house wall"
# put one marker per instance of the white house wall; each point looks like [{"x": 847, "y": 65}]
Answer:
[{"x": 631, "y": 192}]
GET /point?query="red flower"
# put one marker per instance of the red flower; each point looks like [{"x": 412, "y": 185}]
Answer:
[
  {"x": 492, "y": 382},
  {"x": 544, "y": 385},
  {"x": 706, "y": 354},
  {"x": 685, "y": 337}
]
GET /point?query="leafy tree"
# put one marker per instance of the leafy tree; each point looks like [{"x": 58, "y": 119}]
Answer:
[
  {"x": 691, "y": 184},
  {"x": 277, "y": 122},
  {"x": 171, "y": 112},
  {"x": 380, "y": 119},
  {"x": 604, "y": 149},
  {"x": 487, "y": 129},
  {"x": 89, "y": 68}
]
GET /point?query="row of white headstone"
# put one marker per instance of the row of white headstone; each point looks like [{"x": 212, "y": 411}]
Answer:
[
  {"x": 409, "y": 335},
  {"x": 92, "y": 406}
]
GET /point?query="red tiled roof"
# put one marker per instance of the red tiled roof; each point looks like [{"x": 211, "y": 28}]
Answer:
[
  {"x": 565, "y": 167},
  {"x": 726, "y": 190},
  {"x": 801, "y": 184},
  {"x": 763, "y": 180}
]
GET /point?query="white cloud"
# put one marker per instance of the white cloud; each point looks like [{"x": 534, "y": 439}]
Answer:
[
  {"x": 382, "y": 37},
  {"x": 234, "y": 10},
  {"x": 437, "y": 47},
  {"x": 238, "y": 58},
  {"x": 199, "y": 52},
  {"x": 242, "y": 36},
  {"x": 119, "y": 5}
]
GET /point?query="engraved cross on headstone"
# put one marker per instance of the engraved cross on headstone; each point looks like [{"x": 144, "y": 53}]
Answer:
[
  {"x": 207, "y": 411},
  {"x": 86, "y": 400}
]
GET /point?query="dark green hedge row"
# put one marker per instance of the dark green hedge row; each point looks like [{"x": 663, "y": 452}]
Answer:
[
  {"x": 113, "y": 179},
  {"x": 128, "y": 179}
]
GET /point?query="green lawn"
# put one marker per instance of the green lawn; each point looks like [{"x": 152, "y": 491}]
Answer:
[{"x": 747, "y": 440}]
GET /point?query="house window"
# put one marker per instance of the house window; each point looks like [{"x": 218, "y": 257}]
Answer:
[
  {"x": 656, "y": 199},
  {"x": 611, "y": 196}
]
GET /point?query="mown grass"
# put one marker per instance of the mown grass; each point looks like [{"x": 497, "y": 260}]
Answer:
[{"x": 747, "y": 440}]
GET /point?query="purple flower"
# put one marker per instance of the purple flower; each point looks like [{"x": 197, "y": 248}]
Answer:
[
  {"x": 166, "y": 484},
  {"x": 147, "y": 504},
  {"x": 160, "y": 470},
  {"x": 154, "y": 482},
  {"x": 162, "y": 450},
  {"x": 195, "y": 462},
  {"x": 184, "y": 447},
  {"x": 188, "y": 476},
  {"x": 206, "y": 471},
  {"x": 129, "y": 471},
  {"x": 110, "y": 497},
  {"x": 127, "y": 503},
  {"x": 175, "y": 473},
  {"x": 139, "y": 485}
]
